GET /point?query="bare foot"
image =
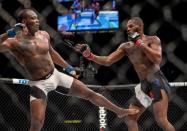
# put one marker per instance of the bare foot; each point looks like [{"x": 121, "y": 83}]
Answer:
[{"x": 126, "y": 112}]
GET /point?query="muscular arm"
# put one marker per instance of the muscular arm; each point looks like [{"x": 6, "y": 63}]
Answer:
[
  {"x": 11, "y": 32},
  {"x": 3, "y": 37},
  {"x": 3, "y": 43},
  {"x": 57, "y": 59},
  {"x": 110, "y": 59},
  {"x": 153, "y": 51}
]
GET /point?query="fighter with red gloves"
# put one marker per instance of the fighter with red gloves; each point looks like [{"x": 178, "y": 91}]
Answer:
[{"x": 145, "y": 53}]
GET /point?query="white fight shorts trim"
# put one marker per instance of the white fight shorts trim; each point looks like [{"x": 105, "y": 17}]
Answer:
[
  {"x": 143, "y": 98},
  {"x": 56, "y": 79}
]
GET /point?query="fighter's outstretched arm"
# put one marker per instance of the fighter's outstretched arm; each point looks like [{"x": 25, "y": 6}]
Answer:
[{"x": 103, "y": 60}]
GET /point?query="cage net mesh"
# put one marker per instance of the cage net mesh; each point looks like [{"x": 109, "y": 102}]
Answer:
[{"x": 165, "y": 18}]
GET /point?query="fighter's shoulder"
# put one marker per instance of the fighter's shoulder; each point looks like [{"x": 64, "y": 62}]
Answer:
[
  {"x": 123, "y": 46},
  {"x": 154, "y": 39},
  {"x": 42, "y": 32}
]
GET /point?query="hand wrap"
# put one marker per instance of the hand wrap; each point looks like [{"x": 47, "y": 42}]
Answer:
[
  {"x": 135, "y": 38},
  {"x": 70, "y": 70},
  {"x": 86, "y": 52},
  {"x": 17, "y": 27}
]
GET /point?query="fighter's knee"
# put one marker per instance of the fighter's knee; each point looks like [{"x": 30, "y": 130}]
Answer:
[
  {"x": 130, "y": 120},
  {"x": 36, "y": 125},
  {"x": 89, "y": 95}
]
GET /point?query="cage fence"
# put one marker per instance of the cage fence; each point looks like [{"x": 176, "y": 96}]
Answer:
[
  {"x": 73, "y": 114},
  {"x": 69, "y": 113}
]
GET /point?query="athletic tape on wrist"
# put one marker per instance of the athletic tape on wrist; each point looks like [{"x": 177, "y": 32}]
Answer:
[
  {"x": 138, "y": 42},
  {"x": 69, "y": 69},
  {"x": 11, "y": 32},
  {"x": 90, "y": 57}
]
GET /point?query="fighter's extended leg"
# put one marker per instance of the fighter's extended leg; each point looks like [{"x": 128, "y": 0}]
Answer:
[{"x": 81, "y": 90}]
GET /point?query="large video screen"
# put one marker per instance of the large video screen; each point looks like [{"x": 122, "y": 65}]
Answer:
[{"x": 89, "y": 15}]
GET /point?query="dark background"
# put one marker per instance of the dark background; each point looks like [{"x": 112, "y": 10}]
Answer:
[{"x": 165, "y": 18}]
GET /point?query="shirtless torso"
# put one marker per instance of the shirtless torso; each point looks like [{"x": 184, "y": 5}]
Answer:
[
  {"x": 32, "y": 53},
  {"x": 143, "y": 66},
  {"x": 32, "y": 48},
  {"x": 145, "y": 53}
]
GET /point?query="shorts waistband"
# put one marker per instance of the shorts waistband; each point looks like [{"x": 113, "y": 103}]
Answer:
[
  {"x": 47, "y": 76},
  {"x": 155, "y": 74}
]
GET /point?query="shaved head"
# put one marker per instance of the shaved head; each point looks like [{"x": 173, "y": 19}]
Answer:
[{"x": 23, "y": 14}]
